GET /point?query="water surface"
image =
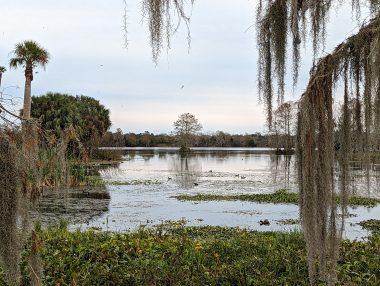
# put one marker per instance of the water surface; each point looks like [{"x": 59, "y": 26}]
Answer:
[{"x": 151, "y": 177}]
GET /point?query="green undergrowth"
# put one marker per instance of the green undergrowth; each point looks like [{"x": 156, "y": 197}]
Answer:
[
  {"x": 93, "y": 181},
  {"x": 176, "y": 255},
  {"x": 280, "y": 196}
]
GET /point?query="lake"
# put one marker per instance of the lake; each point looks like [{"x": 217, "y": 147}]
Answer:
[{"x": 143, "y": 186}]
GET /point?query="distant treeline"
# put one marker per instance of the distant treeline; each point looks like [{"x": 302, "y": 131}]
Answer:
[{"x": 217, "y": 139}]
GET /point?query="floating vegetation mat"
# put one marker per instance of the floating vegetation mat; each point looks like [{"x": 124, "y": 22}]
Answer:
[
  {"x": 279, "y": 197},
  {"x": 133, "y": 183},
  {"x": 172, "y": 254}
]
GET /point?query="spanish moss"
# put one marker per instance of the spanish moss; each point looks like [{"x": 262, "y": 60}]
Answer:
[
  {"x": 165, "y": 18},
  {"x": 350, "y": 62}
]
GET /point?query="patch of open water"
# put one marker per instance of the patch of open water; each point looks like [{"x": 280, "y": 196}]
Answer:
[{"x": 156, "y": 175}]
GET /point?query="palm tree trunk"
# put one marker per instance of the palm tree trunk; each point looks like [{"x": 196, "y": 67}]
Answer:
[
  {"x": 1, "y": 77},
  {"x": 27, "y": 97}
]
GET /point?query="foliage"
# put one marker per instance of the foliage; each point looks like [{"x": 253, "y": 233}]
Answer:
[
  {"x": 29, "y": 55},
  {"x": 161, "y": 27},
  {"x": 215, "y": 139},
  {"x": 31, "y": 161},
  {"x": 371, "y": 225},
  {"x": 58, "y": 112},
  {"x": 355, "y": 63},
  {"x": 185, "y": 128},
  {"x": 280, "y": 196},
  {"x": 175, "y": 255}
]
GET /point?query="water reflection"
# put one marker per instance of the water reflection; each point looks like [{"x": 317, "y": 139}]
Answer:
[
  {"x": 187, "y": 171},
  {"x": 282, "y": 169},
  {"x": 222, "y": 172}
]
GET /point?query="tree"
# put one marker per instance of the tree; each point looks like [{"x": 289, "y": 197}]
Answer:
[
  {"x": 131, "y": 140},
  {"x": 2, "y": 70},
  {"x": 29, "y": 55},
  {"x": 185, "y": 128},
  {"x": 58, "y": 112},
  {"x": 283, "y": 126},
  {"x": 356, "y": 62},
  {"x": 146, "y": 139}
]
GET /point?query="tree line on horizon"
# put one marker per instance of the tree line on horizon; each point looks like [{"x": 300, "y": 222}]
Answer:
[{"x": 215, "y": 139}]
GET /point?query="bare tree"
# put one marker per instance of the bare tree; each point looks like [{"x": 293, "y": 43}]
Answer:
[{"x": 284, "y": 126}]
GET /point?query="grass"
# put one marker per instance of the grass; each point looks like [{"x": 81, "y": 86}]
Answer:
[
  {"x": 176, "y": 255},
  {"x": 93, "y": 181},
  {"x": 279, "y": 197}
]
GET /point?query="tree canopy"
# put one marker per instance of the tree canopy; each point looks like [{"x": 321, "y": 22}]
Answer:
[
  {"x": 58, "y": 112},
  {"x": 186, "y": 126}
]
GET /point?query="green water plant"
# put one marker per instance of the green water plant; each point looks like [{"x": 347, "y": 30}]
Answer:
[
  {"x": 173, "y": 254},
  {"x": 278, "y": 197}
]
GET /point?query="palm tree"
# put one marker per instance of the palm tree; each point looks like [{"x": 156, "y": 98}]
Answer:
[
  {"x": 29, "y": 55},
  {"x": 2, "y": 70}
]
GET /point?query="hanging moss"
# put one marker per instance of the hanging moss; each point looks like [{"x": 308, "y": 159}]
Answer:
[
  {"x": 272, "y": 42},
  {"x": 350, "y": 62},
  {"x": 9, "y": 206},
  {"x": 30, "y": 161},
  {"x": 306, "y": 17},
  {"x": 164, "y": 17}
]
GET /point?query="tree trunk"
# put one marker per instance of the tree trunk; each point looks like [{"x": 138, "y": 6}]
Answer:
[
  {"x": 1, "y": 76},
  {"x": 27, "y": 97}
]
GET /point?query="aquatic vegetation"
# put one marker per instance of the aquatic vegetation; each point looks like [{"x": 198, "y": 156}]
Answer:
[
  {"x": 91, "y": 194},
  {"x": 133, "y": 183},
  {"x": 289, "y": 221},
  {"x": 93, "y": 181},
  {"x": 371, "y": 225},
  {"x": 279, "y": 197},
  {"x": 177, "y": 255}
]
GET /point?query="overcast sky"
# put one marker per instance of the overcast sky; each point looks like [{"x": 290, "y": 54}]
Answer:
[{"x": 86, "y": 42}]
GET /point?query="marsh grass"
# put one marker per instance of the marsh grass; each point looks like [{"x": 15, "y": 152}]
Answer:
[
  {"x": 173, "y": 254},
  {"x": 279, "y": 197}
]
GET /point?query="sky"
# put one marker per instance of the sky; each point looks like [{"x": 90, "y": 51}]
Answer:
[{"x": 86, "y": 41}]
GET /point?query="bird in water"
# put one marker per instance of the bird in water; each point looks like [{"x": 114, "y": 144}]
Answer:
[{"x": 264, "y": 222}]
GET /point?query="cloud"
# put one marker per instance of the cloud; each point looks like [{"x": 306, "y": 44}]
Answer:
[{"x": 85, "y": 39}]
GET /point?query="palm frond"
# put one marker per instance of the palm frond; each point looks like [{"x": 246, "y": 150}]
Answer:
[
  {"x": 29, "y": 52},
  {"x": 16, "y": 62}
]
